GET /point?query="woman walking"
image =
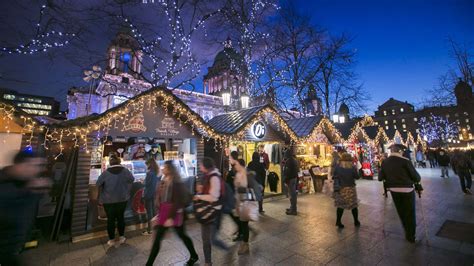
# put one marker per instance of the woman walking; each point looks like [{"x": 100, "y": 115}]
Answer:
[
  {"x": 260, "y": 174},
  {"x": 152, "y": 178},
  {"x": 241, "y": 181},
  {"x": 345, "y": 194},
  {"x": 171, "y": 199},
  {"x": 114, "y": 192}
]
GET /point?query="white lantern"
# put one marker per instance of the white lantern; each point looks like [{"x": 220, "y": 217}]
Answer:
[{"x": 226, "y": 97}]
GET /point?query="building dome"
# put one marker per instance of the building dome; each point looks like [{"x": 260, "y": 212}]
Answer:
[
  {"x": 226, "y": 60},
  {"x": 344, "y": 109}
]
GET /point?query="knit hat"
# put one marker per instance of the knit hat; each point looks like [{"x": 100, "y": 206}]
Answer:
[{"x": 346, "y": 157}]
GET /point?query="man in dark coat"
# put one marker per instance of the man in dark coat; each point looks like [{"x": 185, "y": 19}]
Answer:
[
  {"x": 19, "y": 194},
  {"x": 443, "y": 161},
  {"x": 400, "y": 177},
  {"x": 260, "y": 174},
  {"x": 290, "y": 173}
]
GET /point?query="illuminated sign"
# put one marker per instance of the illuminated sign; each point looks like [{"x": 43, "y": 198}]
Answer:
[{"x": 258, "y": 130}]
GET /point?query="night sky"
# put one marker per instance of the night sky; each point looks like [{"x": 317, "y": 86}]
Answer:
[{"x": 401, "y": 45}]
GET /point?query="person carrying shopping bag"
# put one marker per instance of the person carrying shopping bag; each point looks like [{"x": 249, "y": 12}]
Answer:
[{"x": 171, "y": 199}]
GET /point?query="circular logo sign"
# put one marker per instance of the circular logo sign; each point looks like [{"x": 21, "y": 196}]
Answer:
[{"x": 258, "y": 130}]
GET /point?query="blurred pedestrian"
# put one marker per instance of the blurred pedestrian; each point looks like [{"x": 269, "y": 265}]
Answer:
[
  {"x": 443, "y": 161},
  {"x": 210, "y": 190},
  {"x": 431, "y": 155},
  {"x": 462, "y": 167},
  {"x": 241, "y": 181},
  {"x": 345, "y": 194},
  {"x": 152, "y": 179},
  {"x": 171, "y": 199},
  {"x": 20, "y": 189},
  {"x": 260, "y": 174},
  {"x": 400, "y": 177},
  {"x": 290, "y": 174},
  {"x": 114, "y": 186}
]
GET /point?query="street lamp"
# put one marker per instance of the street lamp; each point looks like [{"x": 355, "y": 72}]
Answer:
[
  {"x": 244, "y": 100},
  {"x": 225, "y": 97},
  {"x": 342, "y": 119},
  {"x": 90, "y": 76}
]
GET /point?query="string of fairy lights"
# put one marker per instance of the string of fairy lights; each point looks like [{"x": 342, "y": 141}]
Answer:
[
  {"x": 79, "y": 132},
  {"x": 43, "y": 40}
]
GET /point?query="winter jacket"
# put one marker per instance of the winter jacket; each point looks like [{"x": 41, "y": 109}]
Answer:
[
  {"x": 461, "y": 164},
  {"x": 291, "y": 169},
  {"x": 346, "y": 176},
  {"x": 172, "y": 192},
  {"x": 260, "y": 172},
  {"x": 151, "y": 182},
  {"x": 397, "y": 171},
  {"x": 115, "y": 184},
  {"x": 443, "y": 160}
]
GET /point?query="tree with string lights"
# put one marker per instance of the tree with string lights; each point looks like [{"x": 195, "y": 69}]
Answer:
[
  {"x": 437, "y": 129},
  {"x": 45, "y": 37}
]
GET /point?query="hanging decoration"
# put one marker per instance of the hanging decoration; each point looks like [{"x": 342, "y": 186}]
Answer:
[{"x": 327, "y": 128}]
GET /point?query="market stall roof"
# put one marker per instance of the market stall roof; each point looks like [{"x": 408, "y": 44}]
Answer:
[
  {"x": 371, "y": 131},
  {"x": 304, "y": 126},
  {"x": 13, "y": 112},
  {"x": 234, "y": 122},
  {"x": 162, "y": 95},
  {"x": 345, "y": 128}
]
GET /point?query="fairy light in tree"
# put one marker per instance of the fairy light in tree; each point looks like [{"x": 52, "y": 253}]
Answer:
[
  {"x": 437, "y": 128},
  {"x": 43, "y": 39}
]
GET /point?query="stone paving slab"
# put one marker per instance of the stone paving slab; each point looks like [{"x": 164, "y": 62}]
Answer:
[{"x": 310, "y": 238}]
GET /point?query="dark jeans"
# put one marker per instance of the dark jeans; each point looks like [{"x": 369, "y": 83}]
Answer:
[
  {"x": 405, "y": 205},
  {"x": 293, "y": 193},
  {"x": 160, "y": 233},
  {"x": 466, "y": 180},
  {"x": 444, "y": 171},
  {"x": 150, "y": 212},
  {"x": 432, "y": 163},
  {"x": 245, "y": 231},
  {"x": 115, "y": 213},
  {"x": 260, "y": 202},
  {"x": 209, "y": 237}
]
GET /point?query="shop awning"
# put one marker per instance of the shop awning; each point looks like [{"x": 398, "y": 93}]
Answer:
[
  {"x": 304, "y": 126},
  {"x": 236, "y": 122}
]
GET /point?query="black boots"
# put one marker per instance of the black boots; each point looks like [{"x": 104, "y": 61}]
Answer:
[
  {"x": 355, "y": 214},
  {"x": 339, "y": 213}
]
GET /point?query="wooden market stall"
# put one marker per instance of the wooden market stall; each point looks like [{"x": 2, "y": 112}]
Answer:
[
  {"x": 154, "y": 124},
  {"x": 245, "y": 131}
]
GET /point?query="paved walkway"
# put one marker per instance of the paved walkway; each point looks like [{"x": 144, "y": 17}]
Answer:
[{"x": 310, "y": 238}]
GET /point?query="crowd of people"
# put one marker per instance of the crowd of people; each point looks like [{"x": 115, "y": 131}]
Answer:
[{"x": 239, "y": 195}]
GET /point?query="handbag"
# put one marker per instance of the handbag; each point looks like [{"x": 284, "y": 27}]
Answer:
[
  {"x": 328, "y": 187},
  {"x": 164, "y": 214},
  {"x": 205, "y": 211},
  {"x": 248, "y": 206}
]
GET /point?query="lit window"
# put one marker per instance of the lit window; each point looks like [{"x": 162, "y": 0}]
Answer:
[
  {"x": 417, "y": 130},
  {"x": 401, "y": 110},
  {"x": 404, "y": 126},
  {"x": 415, "y": 119},
  {"x": 404, "y": 130},
  {"x": 393, "y": 111},
  {"x": 394, "y": 121},
  {"x": 9, "y": 97},
  {"x": 385, "y": 113},
  {"x": 394, "y": 126},
  {"x": 467, "y": 120},
  {"x": 386, "y": 127},
  {"x": 403, "y": 120},
  {"x": 468, "y": 127},
  {"x": 386, "y": 122}
]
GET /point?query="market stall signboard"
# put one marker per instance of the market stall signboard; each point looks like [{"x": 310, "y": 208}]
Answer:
[{"x": 158, "y": 124}]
